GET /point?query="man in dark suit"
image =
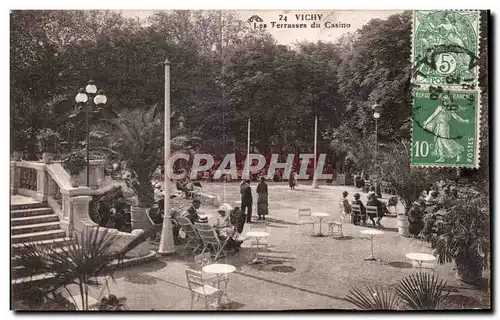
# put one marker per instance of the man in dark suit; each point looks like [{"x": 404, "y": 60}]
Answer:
[{"x": 246, "y": 199}]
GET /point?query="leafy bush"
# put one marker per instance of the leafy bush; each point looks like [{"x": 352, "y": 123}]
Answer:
[
  {"x": 48, "y": 140},
  {"x": 75, "y": 162},
  {"x": 465, "y": 236}
]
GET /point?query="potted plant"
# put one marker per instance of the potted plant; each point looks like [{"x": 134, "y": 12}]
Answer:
[
  {"x": 464, "y": 237},
  {"x": 18, "y": 143},
  {"x": 75, "y": 163},
  {"x": 48, "y": 140}
]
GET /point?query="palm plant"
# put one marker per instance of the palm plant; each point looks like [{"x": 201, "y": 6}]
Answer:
[
  {"x": 422, "y": 291},
  {"x": 376, "y": 299},
  {"x": 79, "y": 262},
  {"x": 419, "y": 291},
  {"x": 465, "y": 237}
]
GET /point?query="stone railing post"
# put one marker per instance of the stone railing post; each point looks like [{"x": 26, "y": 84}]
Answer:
[
  {"x": 77, "y": 214},
  {"x": 15, "y": 177},
  {"x": 42, "y": 184}
]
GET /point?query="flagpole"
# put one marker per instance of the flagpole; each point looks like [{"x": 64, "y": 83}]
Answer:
[
  {"x": 315, "y": 181},
  {"x": 248, "y": 149},
  {"x": 167, "y": 245}
]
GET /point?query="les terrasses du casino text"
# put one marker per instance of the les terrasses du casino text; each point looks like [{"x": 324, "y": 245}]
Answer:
[{"x": 296, "y": 21}]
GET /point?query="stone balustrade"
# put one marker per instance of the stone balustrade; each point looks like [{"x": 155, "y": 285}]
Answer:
[{"x": 51, "y": 183}]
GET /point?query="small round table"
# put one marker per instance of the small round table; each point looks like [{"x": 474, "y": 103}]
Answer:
[
  {"x": 257, "y": 235},
  {"x": 205, "y": 215},
  {"x": 371, "y": 233},
  {"x": 221, "y": 270},
  {"x": 320, "y": 216},
  {"x": 420, "y": 258}
]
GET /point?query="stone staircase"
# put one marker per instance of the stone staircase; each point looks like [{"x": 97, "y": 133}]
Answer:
[{"x": 33, "y": 223}]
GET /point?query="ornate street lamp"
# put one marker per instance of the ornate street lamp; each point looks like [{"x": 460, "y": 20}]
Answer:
[
  {"x": 376, "y": 116},
  {"x": 88, "y": 105}
]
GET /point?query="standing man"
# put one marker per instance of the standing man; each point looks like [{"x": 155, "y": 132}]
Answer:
[{"x": 246, "y": 199}]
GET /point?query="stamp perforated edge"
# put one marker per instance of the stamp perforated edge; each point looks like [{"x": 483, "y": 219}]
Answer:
[
  {"x": 478, "y": 124},
  {"x": 445, "y": 86}
]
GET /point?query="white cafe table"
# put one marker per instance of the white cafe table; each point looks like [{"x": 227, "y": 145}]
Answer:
[
  {"x": 205, "y": 215},
  {"x": 420, "y": 258},
  {"x": 320, "y": 216},
  {"x": 257, "y": 235},
  {"x": 371, "y": 233},
  {"x": 221, "y": 270}
]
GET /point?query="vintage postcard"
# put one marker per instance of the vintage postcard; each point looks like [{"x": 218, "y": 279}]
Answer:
[{"x": 249, "y": 160}]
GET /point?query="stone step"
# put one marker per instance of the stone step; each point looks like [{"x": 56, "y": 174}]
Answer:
[
  {"x": 52, "y": 243},
  {"x": 38, "y": 236},
  {"x": 14, "y": 259},
  {"x": 31, "y": 280},
  {"x": 28, "y": 206},
  {"x": 33, "y": 219},
  {"x": 37, "y": 227},
  {"x": 30, "y": 212}
]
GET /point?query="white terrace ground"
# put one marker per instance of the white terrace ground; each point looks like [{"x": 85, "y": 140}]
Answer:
[{"x": 303, "y": 272}]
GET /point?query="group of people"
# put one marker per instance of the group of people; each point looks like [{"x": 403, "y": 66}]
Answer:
[
  {"x": 425, "y": 212},
  {"x": 360, "y": 218},
  {"x": 247, "y": 199},
  {"x": 231, "y": 221}
]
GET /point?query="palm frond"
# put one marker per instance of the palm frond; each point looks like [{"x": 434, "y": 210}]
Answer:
[
  {"x": 422, "y": 291},
  {"x": 375, "y": 299}
]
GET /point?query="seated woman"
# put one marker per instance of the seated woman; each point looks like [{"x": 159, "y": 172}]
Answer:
[
  {"x": 416, "y": 218},
  {"x": 238, "y": 218},
  {"x": 357, "y": 219},
  {"x": 381, "y": 208},
  {"x": 225, "y": 229},
  {"x": 432, "y": 198}
]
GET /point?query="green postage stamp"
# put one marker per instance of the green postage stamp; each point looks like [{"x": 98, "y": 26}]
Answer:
[
  {"x": 446, "y": 48},
  {"x": 445, "y": 128}
]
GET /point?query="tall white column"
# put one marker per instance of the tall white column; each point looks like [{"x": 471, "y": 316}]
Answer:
[
  {"x": 167, "y": 245},
  {"x": 315, "y": 180},
  {"x": 248, "y": 149}
]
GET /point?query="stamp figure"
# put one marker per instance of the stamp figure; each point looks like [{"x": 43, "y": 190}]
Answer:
[
  {"x": 445, "y": 131},
  {"x": 445, "y": 48}
]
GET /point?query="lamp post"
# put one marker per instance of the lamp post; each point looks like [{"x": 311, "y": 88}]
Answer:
[
  {"x": 97, "y": 98},
  {"x": 376, "y": 116},
  {"x": 167, "y": 245}
]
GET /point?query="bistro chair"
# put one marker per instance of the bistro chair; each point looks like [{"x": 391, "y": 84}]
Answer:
[
  {"x": 194, "y": 239},
  {"x": 304, "y": 217},
  {"x": 204, "y": 259},
  {"x": 372, "y": 211},
  {"x": 357, "y": 214},
  {"x": 210, "y": 239},
  {"x": 337, "y": 224},
  {"x": 199, "y": 288}
]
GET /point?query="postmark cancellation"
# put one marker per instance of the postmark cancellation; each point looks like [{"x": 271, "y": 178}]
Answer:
[{"x": 446, "y": 48}]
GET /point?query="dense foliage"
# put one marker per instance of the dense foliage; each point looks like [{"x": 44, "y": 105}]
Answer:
[{"x": 222, "y": 72}]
